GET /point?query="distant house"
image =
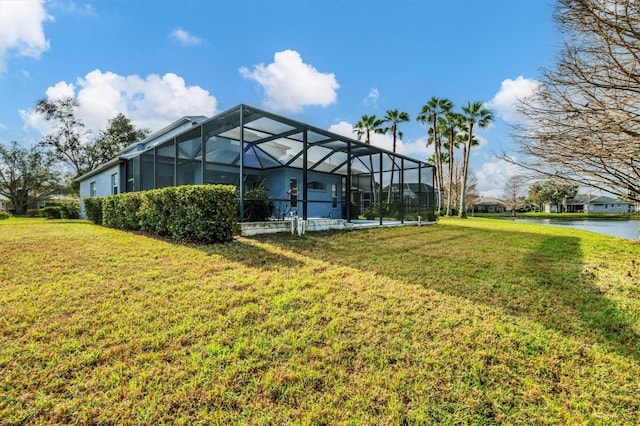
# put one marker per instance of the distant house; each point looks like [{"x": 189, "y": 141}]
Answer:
[
  {"x": 585, "y": 203},
  {"x": 489, "y": 205},
  {"x": 3, "y": 204}
]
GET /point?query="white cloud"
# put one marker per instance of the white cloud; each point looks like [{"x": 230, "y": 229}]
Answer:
[
  {"x": 184, "y": 38},
  {"x": 493, "y": 177},
  {"x": 151, "y": 102},
  {"x": 290, "y": 84},
  {"x": 21, "y": 30},
  {"x": 61, "y": 89},
  {"x": 84, "y": 9},
  {"x": 372, "y": 98},
  {"x": 343, "y": 128},
  {"x": 505, "y": 101}
]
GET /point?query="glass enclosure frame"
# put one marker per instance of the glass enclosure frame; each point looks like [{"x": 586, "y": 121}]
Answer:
[{"x": 245, "y": 141}]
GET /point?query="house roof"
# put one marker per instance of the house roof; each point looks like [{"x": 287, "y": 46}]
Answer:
[
  {"x": 582, "y": 199},
  {"x": 488, "y": 201}
]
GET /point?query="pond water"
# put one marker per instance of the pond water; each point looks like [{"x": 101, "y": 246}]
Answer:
[{"x": 618, "y": 228}]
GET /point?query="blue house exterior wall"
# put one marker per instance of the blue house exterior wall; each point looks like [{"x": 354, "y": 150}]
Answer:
[
  {"x": 320, "y": 201},
  {"x": 102, "y": 182}
]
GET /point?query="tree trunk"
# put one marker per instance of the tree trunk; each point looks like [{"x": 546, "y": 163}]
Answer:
[
  {"x": 449, "y": 190},
  {"x": 465, "y": 166},
  {"x": 463, "y": 184},
  {"x": 439, "y": 186}
]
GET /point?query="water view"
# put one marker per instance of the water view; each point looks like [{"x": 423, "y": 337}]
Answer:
[{"x": 618, "y": 228}]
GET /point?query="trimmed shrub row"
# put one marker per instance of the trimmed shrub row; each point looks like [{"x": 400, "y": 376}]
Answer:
[
  {"x": 68, "y": 209},
  {"x": 93, "y": 209},
  {"x": 197, "y": 213},
  {"x": 4, "y": 215}
]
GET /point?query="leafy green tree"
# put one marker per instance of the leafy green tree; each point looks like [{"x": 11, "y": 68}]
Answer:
[
  {"x": 27, "y": 175},
  {"x": 474, "y": 114},
  {"x": 430, "y": 112},
  {"x": 392, "y": 119},
  {"x": 552, "y": 191},
  {"x": 71, "y": 143},
  {"x": 66, "y": 138},
  {"x": 119, "y": 134}
]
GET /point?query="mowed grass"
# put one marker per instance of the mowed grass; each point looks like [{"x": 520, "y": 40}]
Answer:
[{"x": 466, "y": 322}]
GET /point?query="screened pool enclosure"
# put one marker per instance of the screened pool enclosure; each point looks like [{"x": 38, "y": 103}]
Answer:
[{"x": 306, "y": 171}]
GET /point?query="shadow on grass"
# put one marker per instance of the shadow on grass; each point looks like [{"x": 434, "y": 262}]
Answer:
[
  {"x": 251, "y": 254},
  {"x": 538, "y": 277}
]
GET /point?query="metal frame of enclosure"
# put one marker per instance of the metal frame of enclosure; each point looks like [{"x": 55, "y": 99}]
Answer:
[{"x": 257, "y": 145}]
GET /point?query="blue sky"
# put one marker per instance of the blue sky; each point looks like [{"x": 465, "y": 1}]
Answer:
[{"x": 324, "y": 62}]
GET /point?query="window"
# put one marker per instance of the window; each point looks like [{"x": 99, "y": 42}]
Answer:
[
  {"x": 316, "y": 186},
  {"x": 114, "y": 183},
  {"x": 334, "y": 196},
  {"x": 92, "y": 189}
]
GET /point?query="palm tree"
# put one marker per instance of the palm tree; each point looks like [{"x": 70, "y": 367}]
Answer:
[
  {"x": 393, "y": 118},
  {"x": 430, "y": 112},
  {"x": 364, "y": 127},
  {"x": 452, "y": 123},
  {"x": 473, "y": 114}
]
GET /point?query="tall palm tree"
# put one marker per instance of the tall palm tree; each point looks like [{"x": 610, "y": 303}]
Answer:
[
  {"x": 364, "y": 127},
  {"x": 474, "y": 114},
  {"x": 430, "y": 112},
  {"x": 393, "y": 118},
  {"x": 452, "y": 122}
]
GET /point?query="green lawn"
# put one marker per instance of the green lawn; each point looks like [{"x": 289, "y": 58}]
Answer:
[{"x": 472, "y": 321}]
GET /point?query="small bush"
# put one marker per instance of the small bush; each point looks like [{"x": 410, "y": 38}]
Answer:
[
  {"x": 353, "y": 210},
  {"x": 93, "y": 209},
  {"x": 69, "y": 209},
  {"x": 51, "y": 212},
  {"x": 371, "y": 212},
  {"x": 155, "y": 211},
  {"x": 4, "y": 215},
  {"x": 257, "y": 205},
  {"x": 429, "y": 215},
  {"x": 201, "y": 213},
  {"x": 121, "y": 211}
]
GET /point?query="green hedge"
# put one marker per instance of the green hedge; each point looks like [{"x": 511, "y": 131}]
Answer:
[
  {"x": 93, "y": 209},
  {"x": 197, "y": 213},
  {"x": 4, "y": 215},
  {"x": 51, "y": 212},
  {"x": 121, "y": 211},
  {"x": 69, "y": 209}
]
